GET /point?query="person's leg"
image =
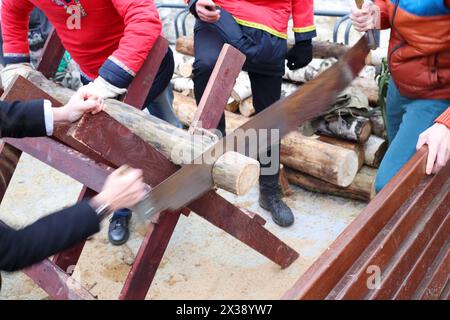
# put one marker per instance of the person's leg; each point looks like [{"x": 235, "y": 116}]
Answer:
[
  {"x": 162, "y": 107},
  {"x": 159, "y": 100},
  {"x": 394, "y": 110},
  {"x": 266, "y": 90},
  {"x": 418, "y": 116}
]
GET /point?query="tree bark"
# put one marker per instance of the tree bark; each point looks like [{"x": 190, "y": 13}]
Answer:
[
  {"x": 356, "y": 129},
  {"x": 327, "y": 162},
  {"x": 361, "y": 189}
]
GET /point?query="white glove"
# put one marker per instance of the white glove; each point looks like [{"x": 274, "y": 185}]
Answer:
[
  {"x": 7, "y": 74},
  {"x": 102, "y": 88}
]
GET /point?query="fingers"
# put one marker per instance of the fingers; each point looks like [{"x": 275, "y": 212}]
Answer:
[
  {"x": 422, "y": 140},
  {"x": 100, "y": 106},
  {"x": 431, "y": 159},
  {"x": 205, "y": 13},
  {"x": 362, "y": 19},
  {"x": 441, "y": 159}
]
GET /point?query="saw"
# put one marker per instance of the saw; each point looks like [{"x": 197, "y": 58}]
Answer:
[{"x": 309, "y": 101}]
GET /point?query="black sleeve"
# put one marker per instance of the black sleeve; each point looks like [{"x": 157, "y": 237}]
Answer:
[
  {"x": 47, "y": 236},
  {"x": 22, "y": 119},
  {"x": 191, "y": 7}
]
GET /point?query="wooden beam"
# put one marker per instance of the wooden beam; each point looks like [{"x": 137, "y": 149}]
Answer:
[
  {"x": 52, "y": 55},
  {"x": 141, "y": 84},
  {"x": 331, "y": 266},
  {"x": 9, "y": 158},
  {"x": 218, "y": 89},
  {"x": 56, "y": 283}
]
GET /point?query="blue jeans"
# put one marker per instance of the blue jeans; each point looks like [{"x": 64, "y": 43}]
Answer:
[{"x": 406, "y": 120}]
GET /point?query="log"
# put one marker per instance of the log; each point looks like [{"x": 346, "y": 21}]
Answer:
[
  {"x": 242, "y": 89},
  {"x": 358, "y": 148},
  {"x": 183, "y": 85},
  {"x": 378, "y": 126},
  {"x": 321, "y": 49},
  {"x": 288, "y": 88},
  {"x": 176, "y": 144},
  {"x": 286, "y": 189},
  {"x": 356, "y": 129},
  {"x": 374, "y": 150},
  {"x": 246, "y": 107},
  {"x": 232, "y": 105},
  {"x": 327, "y": 162},
  {"x": 239, "y": 181},
  {"x": 312, "y": 70},
  {"x": 362, "y": 188},
  {"x": 183, "y": 65},
  {"x": 369, "y": 87}
]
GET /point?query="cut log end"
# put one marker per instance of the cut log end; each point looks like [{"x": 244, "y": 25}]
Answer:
[{"x": 236, "y": 173}]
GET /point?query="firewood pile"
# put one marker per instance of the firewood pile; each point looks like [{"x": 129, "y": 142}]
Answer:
[{"x": 337, "y": 153}]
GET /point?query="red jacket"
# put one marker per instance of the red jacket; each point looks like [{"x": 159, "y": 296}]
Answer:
[
  {"x": 419, "y": 48},
  {"x": 114, "y": 37},
  {"x": 272, "y": 15}
]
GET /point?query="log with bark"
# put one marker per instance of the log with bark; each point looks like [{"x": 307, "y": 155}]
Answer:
[
  {"x": 174, "y": 143},
  {"x": 322, "y": 160},
  {"x": 378, "y": 126},
  {"x": 374, "y": 150},
  {"x": 321, "y": 49},
  {"x": 362, "y": 188},
  {"x": 358, "y": 148},
  {"x": 232, "y": 105},
  {"x": 242, "y": 89},
  {"x": 356, "y": 129},
  {"x": 286, "y": 189}
]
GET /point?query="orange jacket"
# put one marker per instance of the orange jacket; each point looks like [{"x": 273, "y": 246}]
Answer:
[
  {"x": 419, "y": 48},
  {"x": 272, "y": 16}
]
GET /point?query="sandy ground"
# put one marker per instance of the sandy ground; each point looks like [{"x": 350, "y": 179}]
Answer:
[{"x": 201, "y": 262}]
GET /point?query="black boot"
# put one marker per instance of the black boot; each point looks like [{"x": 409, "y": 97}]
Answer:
[
  {"x": 118, "y": 232},
  {"x": 270, "y": 199}
]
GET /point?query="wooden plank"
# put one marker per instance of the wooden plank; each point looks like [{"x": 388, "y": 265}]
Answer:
[
  {"x": 354, "y": 284},
  {"x": 52, "y": 55},
  {"x": 331, "y": 266},
  {"x": 56, "y": 283},
  {"x": 218, "y": 89},
  {"x": 141, "y": 84},
  {"x": 149, "y": 257},
  {"x": 66, "y": 160},
  {"x": 393, "y": 275},
  {"x": 68, "y": 258},
  {"x": 9, "y": 158},
  {"x": 433, "y": 285},
  {"x": 420, "y": 268}
]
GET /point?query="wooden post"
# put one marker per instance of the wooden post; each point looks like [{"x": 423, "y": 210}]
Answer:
[{"x": 52, "y": 55}]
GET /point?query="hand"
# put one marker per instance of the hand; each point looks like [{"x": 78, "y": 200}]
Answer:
[
  {"x": 206, "y": 11},
  {"x": 300, "y": 55},
  {"x": 101, "y": 88},
  {"x": 366, "y": 18},
  {"x": 79, "y": 104},
  {"x": 437, "y": 137},
  {"x": 122, "y": 189},
  {"x": 8, "y": 73}
]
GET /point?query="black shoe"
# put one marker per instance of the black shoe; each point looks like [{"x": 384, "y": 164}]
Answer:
[
  {"x": 118, "y": 232},
  {"x": 270, "y": 199}
]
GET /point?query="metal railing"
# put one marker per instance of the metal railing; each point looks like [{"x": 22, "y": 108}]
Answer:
[{"x": 343, "y": 16}]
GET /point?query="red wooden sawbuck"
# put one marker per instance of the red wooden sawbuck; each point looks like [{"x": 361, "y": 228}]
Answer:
[{"x": 113, "y": 145}]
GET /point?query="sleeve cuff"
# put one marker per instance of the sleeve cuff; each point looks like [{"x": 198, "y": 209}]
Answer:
[
  {"x": 116, "y": 73},
  {"x": 308, "y": 33},
  {"x": 48, "y": 116},
  {"x": 11, "y": 58},
  {"x": 444, "y": 118}
]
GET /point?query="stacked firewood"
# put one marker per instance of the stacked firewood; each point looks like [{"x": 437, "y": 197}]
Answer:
[{"x": 338, "y": 153}]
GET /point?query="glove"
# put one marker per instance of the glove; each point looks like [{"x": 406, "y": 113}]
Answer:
[
  {"x": 8, "y": 73},
  {"x": 300, "y": 55},
  {"x": 101, "y": 88}
]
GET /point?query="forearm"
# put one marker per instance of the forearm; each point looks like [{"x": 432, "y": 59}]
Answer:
[
  {"x": 444, "y": 118},
  {"x": 47, "y": 236},
  {"x": 22, "y": 119},
  {"x": 303, "y": 18}
]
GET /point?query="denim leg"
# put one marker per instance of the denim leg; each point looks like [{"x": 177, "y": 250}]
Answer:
[
  {"x": 394, "y": 110},
  {"x": 162, "y": 107},
  {"x": 419, "y": 115}
]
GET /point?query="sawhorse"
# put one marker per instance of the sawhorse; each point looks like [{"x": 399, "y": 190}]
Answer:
[{"x": 92, "y": 160}]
